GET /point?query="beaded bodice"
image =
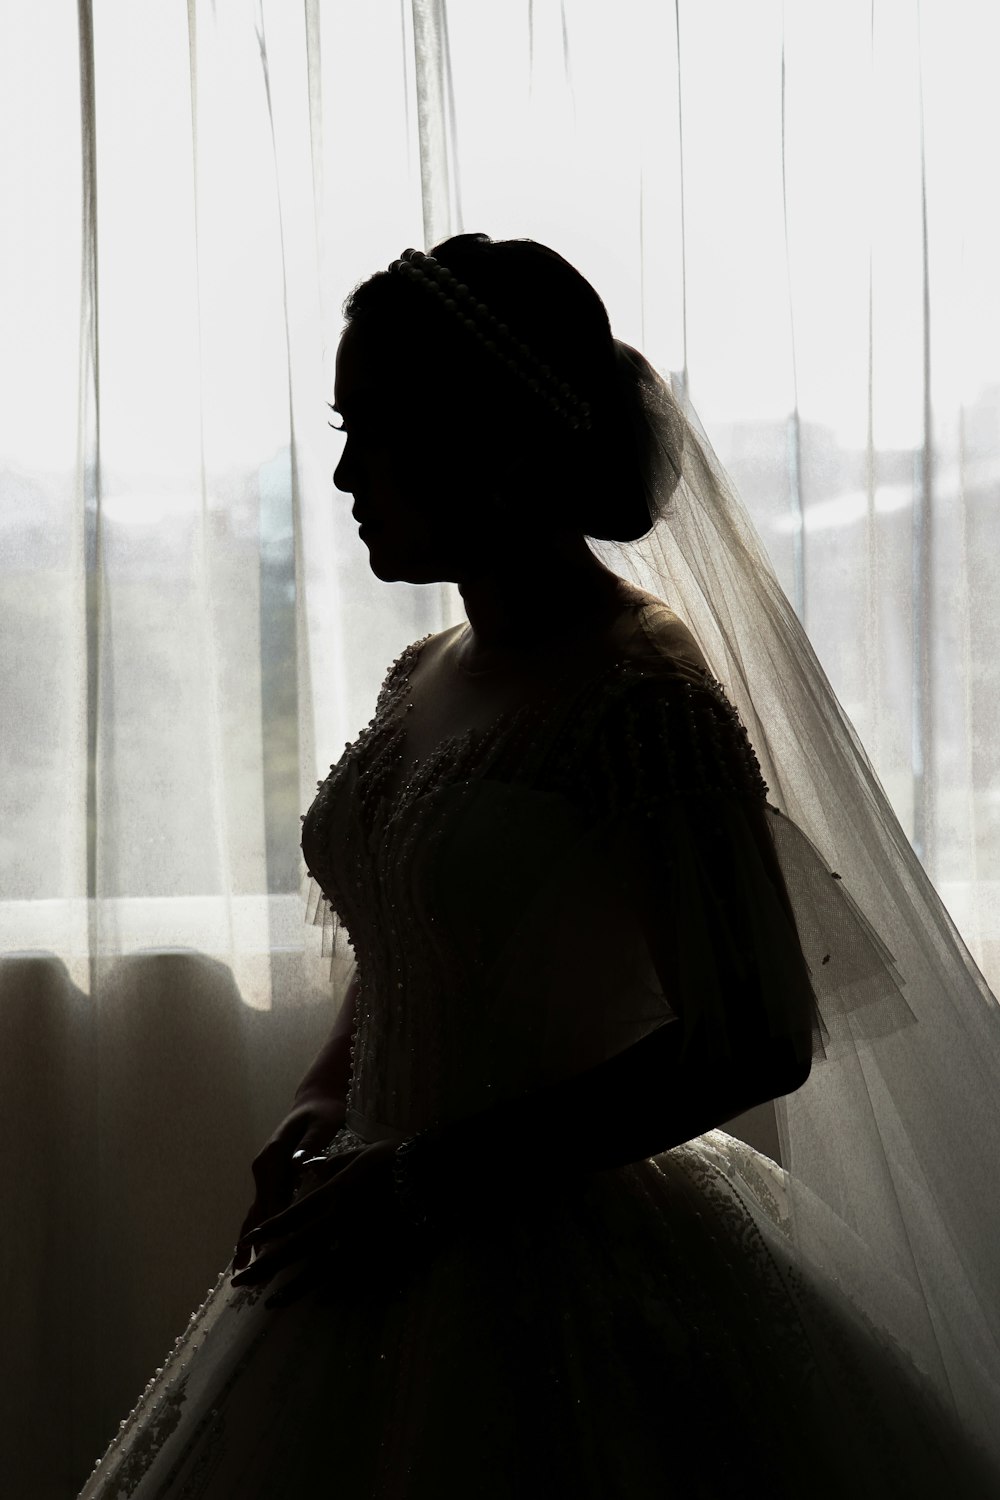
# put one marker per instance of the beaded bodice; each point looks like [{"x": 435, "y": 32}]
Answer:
[{"x": 487, "y": 898}]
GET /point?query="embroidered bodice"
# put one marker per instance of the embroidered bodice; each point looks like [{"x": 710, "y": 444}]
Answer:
[{"x": 498, "y": 939}]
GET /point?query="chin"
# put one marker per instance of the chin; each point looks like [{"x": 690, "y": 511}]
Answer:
[
  {"x": 391, "y": 572},
  {"x": 391, "y": 569}
]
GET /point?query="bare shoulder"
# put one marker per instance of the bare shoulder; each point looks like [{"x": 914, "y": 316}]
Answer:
[
  {"x": 436, "y": 649},
  {"x": 647, "y": 620}
]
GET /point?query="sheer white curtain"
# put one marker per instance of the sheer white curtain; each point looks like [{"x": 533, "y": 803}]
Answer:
[{"x": 793, "y": 205}]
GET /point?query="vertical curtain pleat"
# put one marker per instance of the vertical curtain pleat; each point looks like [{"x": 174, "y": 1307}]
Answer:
[
  {"x": 89, "y": 456},
  {"x": 440, "y": 188}
]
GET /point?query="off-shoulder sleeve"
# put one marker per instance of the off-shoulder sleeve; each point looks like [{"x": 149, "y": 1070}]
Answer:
[{"x": 671, "y": 767}]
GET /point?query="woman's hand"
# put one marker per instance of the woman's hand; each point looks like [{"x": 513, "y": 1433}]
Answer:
[
  {"x": 309, "y": 1127},
  {"x": 355, "y": 1193}
]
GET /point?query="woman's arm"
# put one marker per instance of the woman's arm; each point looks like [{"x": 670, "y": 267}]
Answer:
[
  {"x": 330, "y": 1071},
  {"x": 641, "y": 1102},
  {"x": 648, "y": 1098}
]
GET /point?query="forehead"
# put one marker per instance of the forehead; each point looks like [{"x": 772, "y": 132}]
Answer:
[
  {"x": 367, "y": 365},
  {"x": 357, "y": 375},
  {"x": 374, "y": 370}
]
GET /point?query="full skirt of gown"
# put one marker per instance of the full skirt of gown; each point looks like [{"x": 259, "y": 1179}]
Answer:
[{"x": 648, "y": 1334}]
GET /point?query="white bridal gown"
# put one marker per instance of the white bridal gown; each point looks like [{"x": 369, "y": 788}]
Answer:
[{"x": 648, "y": 1331}]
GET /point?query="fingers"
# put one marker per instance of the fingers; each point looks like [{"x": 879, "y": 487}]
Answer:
[
  {"x": 274, "y": 1211},
  {"x": 244, "y": 1245},
  {"x": 287, "y": 1220},
  {"x": 262, "y": 1269},
  {"x": 283, "y": 1253},
  {"x": 275, "y": 1177},
  {"x": 278, "y": 1229},
  {"x": 296, "y": 1230},
  {"x": 277, "y": 1172},
  {"x": 262, "y": 1209}
]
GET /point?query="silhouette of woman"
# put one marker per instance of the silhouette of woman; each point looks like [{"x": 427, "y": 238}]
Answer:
[{"x": 500, "y": 1246}]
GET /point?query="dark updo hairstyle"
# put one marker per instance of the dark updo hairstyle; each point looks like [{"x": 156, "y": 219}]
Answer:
[{"x": 611, "y": 482}]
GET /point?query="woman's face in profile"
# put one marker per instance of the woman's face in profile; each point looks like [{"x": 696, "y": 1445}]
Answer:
[{"x": 414, "y": 495}]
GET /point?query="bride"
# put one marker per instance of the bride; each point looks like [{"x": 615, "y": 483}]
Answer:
[{"x": 500, "y": 1245}]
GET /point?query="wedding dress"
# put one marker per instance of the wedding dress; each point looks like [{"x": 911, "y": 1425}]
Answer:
[
  {"x": 653, "y": 1330},
  {"x": 704, "y": 1323}
]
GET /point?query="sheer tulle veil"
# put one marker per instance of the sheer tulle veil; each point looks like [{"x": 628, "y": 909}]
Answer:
[{"x": 891, "y": 1147}]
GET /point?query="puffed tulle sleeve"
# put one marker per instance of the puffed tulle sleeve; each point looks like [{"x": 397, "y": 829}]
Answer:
[{"x": 744, "y": 924}]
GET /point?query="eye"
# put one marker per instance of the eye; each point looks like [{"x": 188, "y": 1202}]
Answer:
[{"x": 335, "y": 427}]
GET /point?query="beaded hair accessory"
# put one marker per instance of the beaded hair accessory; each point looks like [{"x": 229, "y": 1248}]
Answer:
[{"x": 423, "y": 270}]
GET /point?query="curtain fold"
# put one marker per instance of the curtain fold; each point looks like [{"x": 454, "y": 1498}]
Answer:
[{"x": 789, "y": 206}]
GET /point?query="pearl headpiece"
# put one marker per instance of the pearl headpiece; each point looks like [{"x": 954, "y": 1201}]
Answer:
[{"x": 495, "y": 336}]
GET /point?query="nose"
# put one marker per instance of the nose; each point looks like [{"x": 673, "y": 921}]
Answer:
[{"x": 340, "y": 478}]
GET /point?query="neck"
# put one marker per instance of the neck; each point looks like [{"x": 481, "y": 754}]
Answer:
[{"x": 521, "y": 606}]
